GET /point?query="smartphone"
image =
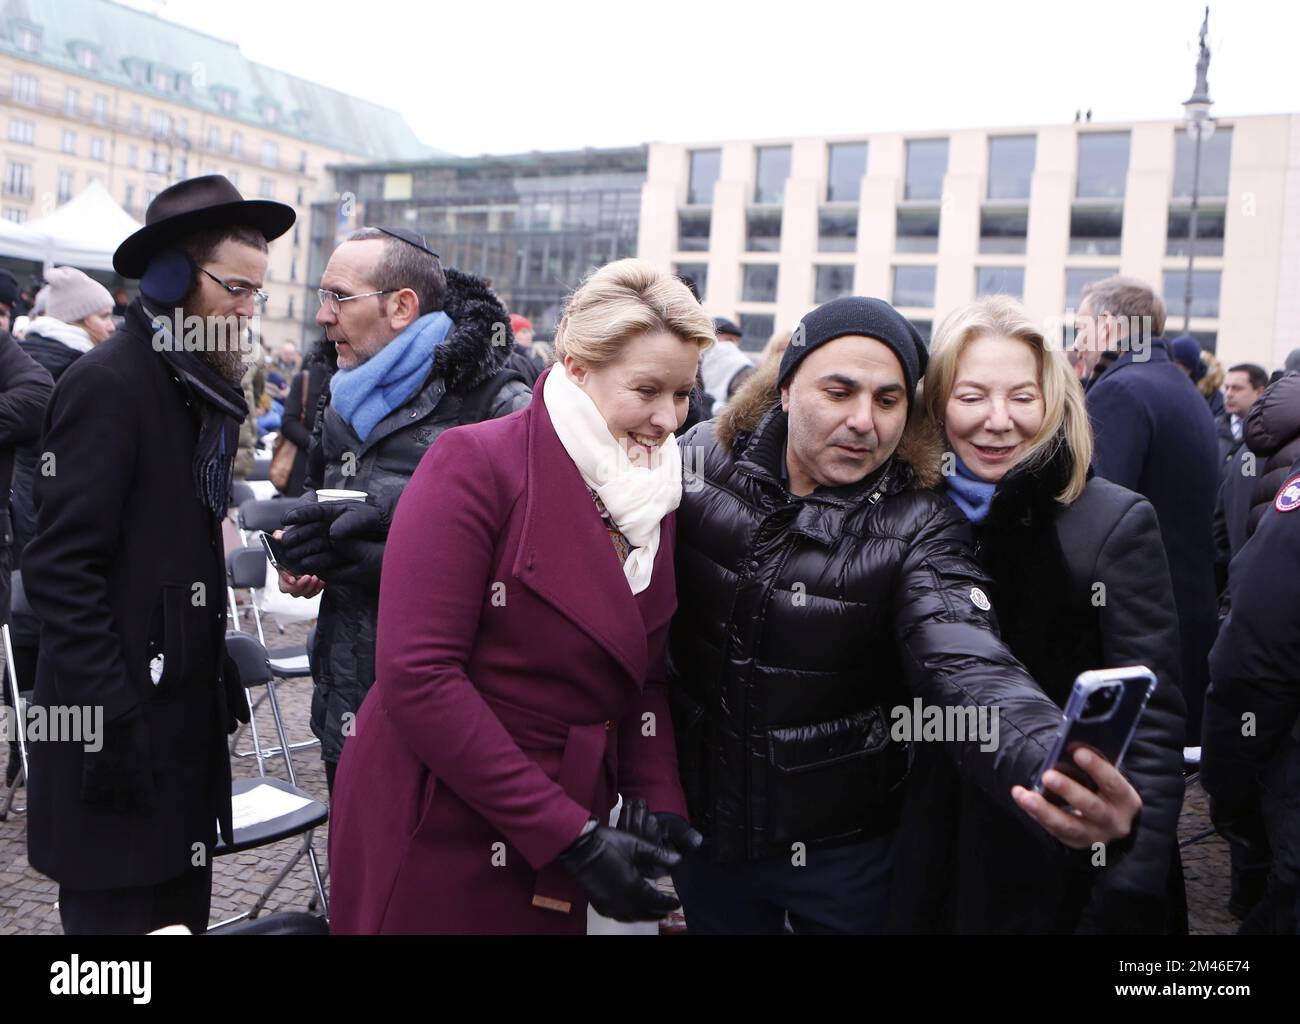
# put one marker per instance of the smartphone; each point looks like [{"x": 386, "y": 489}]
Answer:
[
  {"x": 275, "y": 554},
  {"x": 1102, "y": 714}
]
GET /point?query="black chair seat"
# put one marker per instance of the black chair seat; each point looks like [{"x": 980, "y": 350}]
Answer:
[
  {"x": 286, "y": 826},
  {"x": 289, "y": 662},
  {"x": 266, "y": 514}
]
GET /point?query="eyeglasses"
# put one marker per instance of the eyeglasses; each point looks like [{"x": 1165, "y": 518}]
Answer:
[
  {"x": 238, "y": 291},
  {"x": 331, "y": 299}
]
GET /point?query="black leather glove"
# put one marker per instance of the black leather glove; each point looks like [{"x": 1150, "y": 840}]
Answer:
[
  {"x": 663, "y": 828},
  {"x": 363, "y": 520},
  {"x": 613, "y": 867},
  {"x": 120, "y": 774},
  {"x": 236, "y": 697}
]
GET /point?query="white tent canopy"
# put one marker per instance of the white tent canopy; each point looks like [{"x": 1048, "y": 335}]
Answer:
[{"x": 83, "y": 232}]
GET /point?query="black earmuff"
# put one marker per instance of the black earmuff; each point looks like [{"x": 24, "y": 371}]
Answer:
[{"x": 169, "y": 277}]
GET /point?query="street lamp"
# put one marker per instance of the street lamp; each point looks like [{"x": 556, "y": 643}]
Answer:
[{"x": 1200, "y": 126}]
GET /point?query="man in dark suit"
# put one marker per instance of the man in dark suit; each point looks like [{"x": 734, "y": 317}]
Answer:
[
  {"x": 126, "y": 572},
  {"x": 1155, "y": 435}
]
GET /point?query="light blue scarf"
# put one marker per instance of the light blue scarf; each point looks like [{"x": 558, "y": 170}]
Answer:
[
  {"x": 367, "y": 393},
  {"x": 971, "y": 494}
]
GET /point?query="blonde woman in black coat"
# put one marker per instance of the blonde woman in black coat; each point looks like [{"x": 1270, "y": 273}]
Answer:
[{"x": 1080, "y": 582}]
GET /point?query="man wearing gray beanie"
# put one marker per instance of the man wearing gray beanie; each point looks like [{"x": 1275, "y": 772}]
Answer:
[{"x": 825, "y": 594}]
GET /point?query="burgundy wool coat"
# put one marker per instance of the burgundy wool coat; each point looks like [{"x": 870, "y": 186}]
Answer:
[{"x": 519, "y": 689}]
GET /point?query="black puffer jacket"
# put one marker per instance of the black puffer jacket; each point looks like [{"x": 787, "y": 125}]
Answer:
[
  {"x": 802, "y": 622},
  {"x": 1075, "y": 587},
  {"x": 1272, "y": 444},
  {"x": 468, "y": 382}
]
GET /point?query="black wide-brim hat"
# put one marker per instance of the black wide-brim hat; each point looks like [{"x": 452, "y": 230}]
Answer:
[{"x": 192, "y": 205}]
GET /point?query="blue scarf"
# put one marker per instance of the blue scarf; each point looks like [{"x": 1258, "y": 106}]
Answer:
[
  {"x": 971, "y": 494},
  {"x": 367, "y": 393}
]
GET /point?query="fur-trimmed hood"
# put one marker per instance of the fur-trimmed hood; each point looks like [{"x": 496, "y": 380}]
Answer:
[
  {"x": 921, "y": 448},
  {"x": 477, "y": 346}
]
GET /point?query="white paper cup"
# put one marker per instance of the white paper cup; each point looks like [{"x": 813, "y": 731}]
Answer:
[{"x": 340, "y": 495}]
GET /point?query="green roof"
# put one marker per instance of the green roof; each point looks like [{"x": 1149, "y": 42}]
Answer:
[{"x": 200, "y": 67}]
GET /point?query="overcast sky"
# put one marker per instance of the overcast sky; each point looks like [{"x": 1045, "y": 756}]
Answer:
[{"x": 491, "y": 76}]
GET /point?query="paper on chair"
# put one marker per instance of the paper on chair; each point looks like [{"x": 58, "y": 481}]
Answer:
[{"x": 262, "y": 803}]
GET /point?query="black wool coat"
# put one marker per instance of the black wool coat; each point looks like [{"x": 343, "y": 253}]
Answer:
[
  {"x": 25, "y": 387},
  {"x": 127, "y": 563},
  {"x": 1076, "y": 587}
]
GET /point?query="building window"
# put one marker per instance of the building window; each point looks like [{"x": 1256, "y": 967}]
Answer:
[
  {"x": 65, "y": 186},
  {"x": 163, "y": 80},
  {"x": 226, "y": 100},
  {"x": 99, "y": 108},
  {"x": 917, "y": 230},
  {"x": 697, "y": 272},
  {"x": 1205, "y": 292},
  {"x": 693, "y": 230},
  {"x": 1095, "y": 230},
  {"x": 1003, "y": 230},
  {"x": 128, "y": 198},
  {"x": 914, "y": 286},
  {"x": 837, "y": 229},
  {"x": 236, "y": 145},
  {"x": 18, "y": 179},
  {"x": 762, "y": 230},
  {"x": 300, "y": 203},
  {"x": 28, "y": 40},
  {"x": 756, "y": 329},
  {"x": 71, "y": 99},
  {"x": 214, "y": 137},
  {"x": 87, "y": 58},
  {"x": 183, "y": 128},
  {"x": 772, "y": 168},
  {"x": 156, "y": 164},
  {"x": 1078, "y": 278},
  {"x": 927, "y": 163},
  {"x": 1000, "y": 281},
  {"x": 266, "y": 188},
  {"x": 1011, "y": 166},
  {"x": 68, "y": 141},
  {"x": 233, "y": 176},
  {"x": 705, "y": 167},
  {"x": 923, "y": 328},
  {"x": 1216, "y": 156},
  {"x": 25, "y": 89},
  {"x": 138, "y": 73},
  {"x": 1209, "y": 230},
  {"x": 290, "y": 313},
  {"x": 845, "y": 167},
  {"x": 96, "y": 148},
  {"x": 302, "y": 163},
  {"x": 160, "y": 123},
  {"x": 149, "y": 196},
  {"x": 15, "y": 214},
  {"x": 270, "y": 154},
  {"x": 182, "y": 167},
  {"x": 832, "y": 282},
  {"x": 293, "y": 269},
  {"x": 22, "y": 131},
  {"x": 137, "y": 117},
  {"x": 759, "y": 282},
  {"x": 133, "y": 156},
  {"x": 1103, "y": 165}
]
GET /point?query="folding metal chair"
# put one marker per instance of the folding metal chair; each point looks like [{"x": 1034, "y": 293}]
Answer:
[
  {"x": 265, "y": 515},
  {"x": 250, "y": 658},
  {"x": 17, "y": 706},
  {"x": 246, "y": 570}
]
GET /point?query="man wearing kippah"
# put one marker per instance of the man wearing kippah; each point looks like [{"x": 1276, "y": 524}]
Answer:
[{"x": 822, "y": 583}]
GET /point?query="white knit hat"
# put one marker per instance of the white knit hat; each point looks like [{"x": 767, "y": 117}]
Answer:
[{"x": 73, "y": 296}]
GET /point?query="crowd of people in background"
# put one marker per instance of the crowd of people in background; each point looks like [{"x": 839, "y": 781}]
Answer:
[{"x": 642, "y": 567}]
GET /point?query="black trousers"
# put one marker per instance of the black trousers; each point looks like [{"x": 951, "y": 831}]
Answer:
[
  {"x": 330, "y": 768},
  {"x": 185, "y": 900}
]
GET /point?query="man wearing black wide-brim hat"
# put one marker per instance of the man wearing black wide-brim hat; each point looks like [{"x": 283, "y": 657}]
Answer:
[{"x": 126, "y": 572}]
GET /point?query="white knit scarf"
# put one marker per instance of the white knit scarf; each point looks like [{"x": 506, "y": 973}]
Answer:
[{"x": 637, "y": 497}]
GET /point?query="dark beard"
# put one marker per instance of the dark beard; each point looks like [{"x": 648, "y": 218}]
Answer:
[{"x": 228, "y": 364}]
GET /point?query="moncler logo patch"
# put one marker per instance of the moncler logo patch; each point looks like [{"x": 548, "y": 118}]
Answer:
[{"x": 979, "y": 599}]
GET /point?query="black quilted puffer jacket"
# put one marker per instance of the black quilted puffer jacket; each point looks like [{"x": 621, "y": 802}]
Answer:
[{"x": 802, "y": 622}]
